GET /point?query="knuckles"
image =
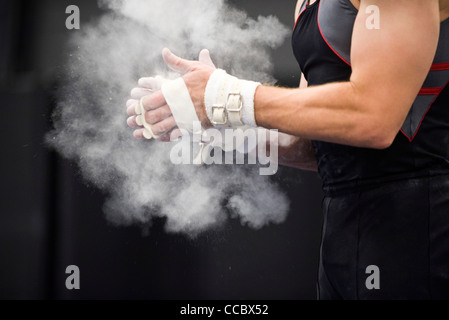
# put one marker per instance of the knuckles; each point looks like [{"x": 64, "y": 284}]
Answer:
[
  {"x": 151, "y": 117},
  {"x": 146, "y": 102},
  {"x": 155, "y": 116},
  {"x": 159, "y": 128}
]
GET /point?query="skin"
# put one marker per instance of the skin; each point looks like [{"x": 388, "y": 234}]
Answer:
[{"x": 386, "y": 77}]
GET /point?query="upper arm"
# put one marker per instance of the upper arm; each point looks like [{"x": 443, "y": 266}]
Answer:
[
  {"x": 298, "y": 6},
  {"x": 390, "y": 64}
]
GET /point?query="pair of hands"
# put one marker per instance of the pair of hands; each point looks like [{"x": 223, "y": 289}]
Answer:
[{"x": 158, "y": 114}]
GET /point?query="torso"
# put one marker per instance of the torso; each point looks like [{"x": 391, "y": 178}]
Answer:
[{"x": 323, "y": 52}]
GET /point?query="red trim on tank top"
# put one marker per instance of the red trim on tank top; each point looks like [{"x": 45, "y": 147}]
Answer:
[
  {"x": 430, "y": 91},
  {"x": 428, "y": 109},
  {"x": 440, "y": 66},
  {"x": 328, "y": 44}
]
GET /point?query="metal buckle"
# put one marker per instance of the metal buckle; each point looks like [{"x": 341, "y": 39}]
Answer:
[
  {"x": 240, "y": 102},
  {"x": 225, "y": 117}
]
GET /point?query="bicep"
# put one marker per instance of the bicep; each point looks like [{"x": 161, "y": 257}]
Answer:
[{"x": 391, "y": 63}]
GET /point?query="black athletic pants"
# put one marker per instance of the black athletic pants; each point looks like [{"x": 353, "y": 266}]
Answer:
[{"x": 386, "y": 241}]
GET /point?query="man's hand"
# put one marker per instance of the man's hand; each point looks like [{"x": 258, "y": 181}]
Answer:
[
  {"x": 158, "y": 113},
  {"x": 195, "y": 75}
]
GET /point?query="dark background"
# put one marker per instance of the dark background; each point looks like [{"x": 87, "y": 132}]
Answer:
[{"x": 50, "y": 218}]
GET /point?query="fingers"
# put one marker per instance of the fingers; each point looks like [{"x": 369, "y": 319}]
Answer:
[
  {"x": 150, "y": 100},
  {"x": 176, "y": 63},
  {"x": 138, "y": 93},
  {"x": 131, "y": 107},
  {"x": 155, "y": 116},
  {"x": 172, "y": 135},
  {"x": 154, "y": 101},
  {"x": 152, "y": 83},
  {"x": 157, "y": 111},
  {"x": 138, "y": 134},
  {"x": 165, "y": 130},
  {"x": 182, "y": 65},
  {"x": 132, "y": 122},
  {"x": 205, "y": 58},
  {"x": 147, "y": 86},
  {"x": 151, "y": 117},
  {"x": 164, "y": 126}
]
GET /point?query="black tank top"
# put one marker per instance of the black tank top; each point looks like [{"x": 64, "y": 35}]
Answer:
[{"x": 321, "y": 43}]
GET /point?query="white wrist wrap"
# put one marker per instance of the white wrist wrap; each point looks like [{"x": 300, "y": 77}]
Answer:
[
  {"x": 229, "y": 101},
  {"x": 231, "y": 94}
]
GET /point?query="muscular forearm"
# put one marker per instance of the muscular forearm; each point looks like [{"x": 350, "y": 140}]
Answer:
[{"x": 334, "y": 113}]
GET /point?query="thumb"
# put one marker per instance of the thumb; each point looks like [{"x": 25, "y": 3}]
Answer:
[
  {"x": 205, "y": 58},
  {"x": 176, "y": 63}
]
